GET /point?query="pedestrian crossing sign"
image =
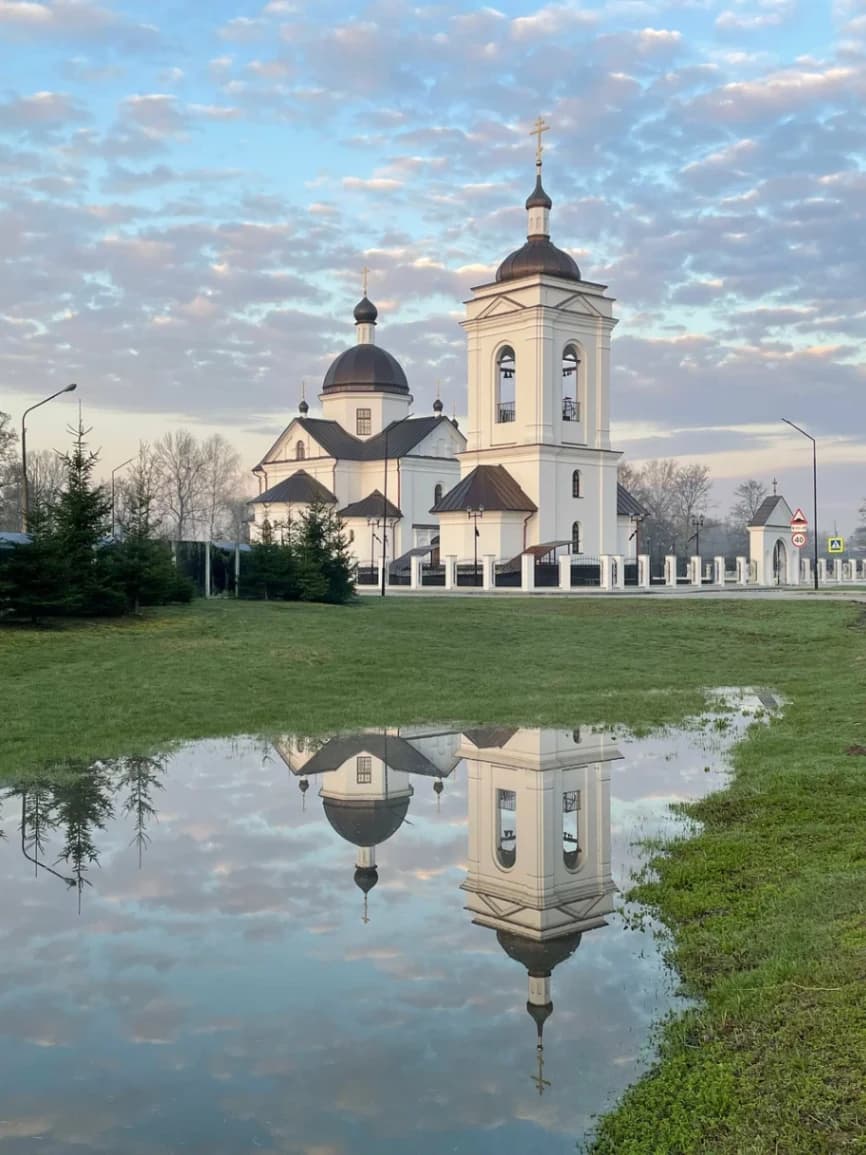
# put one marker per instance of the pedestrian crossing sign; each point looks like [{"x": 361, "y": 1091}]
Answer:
[{"x": 835, "y": 545}]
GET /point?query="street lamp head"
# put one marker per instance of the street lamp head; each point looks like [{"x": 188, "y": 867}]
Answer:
[{"x": 70, "y": 388}]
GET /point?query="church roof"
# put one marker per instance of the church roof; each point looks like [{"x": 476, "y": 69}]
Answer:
[
  {"x": 375, "y": 504},
  {"x": 299, "y": 489},
  {"x": 539, "y": 958},
  {"x": 368, "y": 368},
  {"x": 489, "y": 487},
  {"x": 627, "y": 505},
  {"x": 538, "y": 255},
  {"x": 399, "y": 438},
  {"x": 490, "y": 737},
  {"x": 368, "y": 821},
  {"x": 769, "y": 513},
  {"x": 393, "y": 750}
]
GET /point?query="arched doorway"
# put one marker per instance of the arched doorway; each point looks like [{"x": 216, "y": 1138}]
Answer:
[{"x": 780, "y": 563}]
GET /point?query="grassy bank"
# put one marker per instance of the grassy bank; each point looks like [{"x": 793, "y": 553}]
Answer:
[{"x": 767, "y": 905}]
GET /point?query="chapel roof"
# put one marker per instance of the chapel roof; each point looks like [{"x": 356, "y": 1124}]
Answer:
[
  {"x": 375, "y": 504},
  {"x": 626, "y": 504},
  {"x": 398, "y": 438},
  {"x": 393, "y": 750},
  {"x": 489, "y": 487},
  {"x": 301, "y": 488},
  {"x": 769, "y": 509}
]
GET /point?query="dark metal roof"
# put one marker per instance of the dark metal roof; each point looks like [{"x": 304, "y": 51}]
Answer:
[
  {"x": 539, "y": 958},
  {"x": 764, "y": 512},
  {"x": 489, "y": 486},
  {"x": 393, "y": 750},
  {"x": 368, "y": 368},
  {"x": 538, "y": 255},
  {"x": 368, "y": 821},
  {"x": 375, "y": 504},
  {"x": 300, "y": 489},
  {"x": 626, "y": 504},
  {"x": 400, "y": 437},
  {"x": 490, "y": 737},
  {"x": 538, "y": 198}
]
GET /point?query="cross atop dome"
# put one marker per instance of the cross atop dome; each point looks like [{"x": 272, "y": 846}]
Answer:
[{"x": 538, "y": 128}]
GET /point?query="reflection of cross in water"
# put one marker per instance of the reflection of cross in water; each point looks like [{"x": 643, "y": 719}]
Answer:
[
  {"x": 364, "y": 917},
  {"x": 364, "y": 273},
  {"x": 538, "y": 1078}
]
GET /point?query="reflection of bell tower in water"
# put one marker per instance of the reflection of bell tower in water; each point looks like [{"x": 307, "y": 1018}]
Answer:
[{"x": 539, "y": 847}]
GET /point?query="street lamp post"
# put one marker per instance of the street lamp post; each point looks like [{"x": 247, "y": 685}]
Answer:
[
  {"x": 697, "y": 526},
  {"x": 474, "y": 514},
  {"x": 814, "y": 497},
  {"x": 116, "y": 469},
  {"x": 25, "y": 489}
]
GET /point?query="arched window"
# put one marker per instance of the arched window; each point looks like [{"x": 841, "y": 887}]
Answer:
[
  {"x": 575, "y": 484},
  {"x": 506, "y": 828},
  {"x": 575, "y": 537},
  {"x": 505, "y": 385},
  {"x": 571, "y": 849},
  {"x": 570, "y": 384},
  {"x": 300, "y": 452},
  {"x": 437, "y": 493}
]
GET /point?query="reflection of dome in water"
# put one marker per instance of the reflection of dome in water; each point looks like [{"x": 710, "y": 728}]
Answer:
[
  {"x": 368, "y": 821},
  {"x": 366, "y": 878},
  {"x": 539, "y": 958}
]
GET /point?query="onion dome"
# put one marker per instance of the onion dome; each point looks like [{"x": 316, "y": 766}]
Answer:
[
  {"x": 438, "y": 406},
  {"x": 303, "y": 409},
  {"x": 538, "y": 198},
  {"x": 539, "y": 958},
  {"x": 365, "y": 312},
  {"x": 438, "y": 786},
  {"x": 366, "y": 878},
  {"x": 366, "y": 823},
  {"x": 538, "y": 255},
  {"x": 365, "y": 368}
]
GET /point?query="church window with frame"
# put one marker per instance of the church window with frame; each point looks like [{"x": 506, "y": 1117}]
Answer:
[
  {"x": 363, "y": 422},
  {"x": 363, "y": 770},
  {"x": 506, "y": 384},
  {"x": 437, "y": 493},
  {"x": 571, "y": 850},
  {"x": 300, "y": 451},
  {"x": 576, "y": 490},
  {"x": 570, "y": 383},
  {"x": 506, "y": 828},
  {"x": 576, "y": 543}
]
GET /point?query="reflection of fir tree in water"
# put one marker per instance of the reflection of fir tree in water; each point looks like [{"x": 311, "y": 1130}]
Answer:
[
  {"x": 140, "y": 777},
  {"x": 38, "y": 818},
  {"x": 83, "y": 805}
]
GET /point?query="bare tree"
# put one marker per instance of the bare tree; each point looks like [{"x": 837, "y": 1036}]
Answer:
[
  {"x": 139, "y": 493},
  {"x": 691, "y": 490},
  {"x": 220, "y": 483},
  {"x": 181, "y": 467},
  {"x": 748, "y": 497},
  {"x": 10, "y": 475},
  {"x": 46, "y": 476}
]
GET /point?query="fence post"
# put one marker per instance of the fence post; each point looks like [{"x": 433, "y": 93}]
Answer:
[
  {"x": 565, "y": 572},
  {"x": 719, "y": 575},
  {"x": 527, "y": 572},
  {"x": 671, "y": 569},
  {"x": 605, "y": 574},
  {"x": 643, "y": 571},
  {"x": 742, "y": 571},
  {"x": 837, "y": 569},
  {"x": 619, "y": 572},
  {"x": 414, "y": 573},
  {"x": 450, "y": 571},
  {"x": 488, "y": 572}
]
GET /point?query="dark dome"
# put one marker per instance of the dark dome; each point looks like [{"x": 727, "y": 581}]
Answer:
[
  {"x": 368, "y": 822},
  {"x": 366, "y": 312},
  {"x": 538, "y": 198},
  {"x": 539, "y": 958},
  {"x": 538, "y": 255},
  {"x": 437, "y": 406},
  {"x": 303, "y": 408},
  {"x": 368, "y": 368},
  {"x": 366, "y": 878}
]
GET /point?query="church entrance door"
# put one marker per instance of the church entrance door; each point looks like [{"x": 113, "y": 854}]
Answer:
[{"x": 780, "y": 563}]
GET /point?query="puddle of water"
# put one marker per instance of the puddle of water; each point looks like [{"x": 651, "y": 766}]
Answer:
[{"x": 327, "y": 946}]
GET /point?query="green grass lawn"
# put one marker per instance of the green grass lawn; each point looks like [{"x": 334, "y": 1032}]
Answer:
[{"x": 767, "y": 905}]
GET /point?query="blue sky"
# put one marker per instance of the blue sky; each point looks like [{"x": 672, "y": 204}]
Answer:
[{"x": 189, "y": 193}]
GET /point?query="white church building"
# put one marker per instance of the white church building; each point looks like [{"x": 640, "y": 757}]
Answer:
[{"x": 535, "y": 473}]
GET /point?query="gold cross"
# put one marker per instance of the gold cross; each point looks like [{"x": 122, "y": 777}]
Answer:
[
  {"x": 538, "y": 128},
  {"x": 364, "y": 273}
]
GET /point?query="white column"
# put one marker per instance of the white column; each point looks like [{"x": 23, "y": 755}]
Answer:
[
  {"x": 619, "y": 580},
  {"x": 695, "y": 571},
  {"x": 742, "y": 571},
  {"x": 414, "y": 573},
  {"x": 806, "y": 570},
  {"x": 719, "y": 571},
  {"x": 643, "y": 571},
  {"x": 565, "y": 572},
  {"x": 837, "y": 569},
  {"x": 671, "y": 569},
  {"x": 379, "y": 568},
  {"x": 527, "y": 572},
  {"x": 488, "y": 571},
  {"x": 606, "y": 567},
  {"x": 451, "y": 571},
  {"x": 822, "y": 570},
  {"x": 793, "y": 566}
]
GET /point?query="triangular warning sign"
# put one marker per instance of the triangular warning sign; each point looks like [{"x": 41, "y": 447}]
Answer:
[{"x": 799, "y": 518}]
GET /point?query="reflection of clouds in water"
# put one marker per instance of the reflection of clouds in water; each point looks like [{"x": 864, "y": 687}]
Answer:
[{"x": 244, "y": 927}]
